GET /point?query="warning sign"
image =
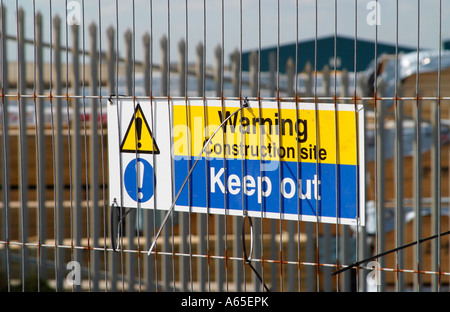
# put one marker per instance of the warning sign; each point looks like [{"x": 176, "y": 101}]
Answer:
[
  {"x": 294, "y": 161},
  {"x": 297, "y": 161},
  {"x": 138, "y": 137},
  {"x": 136, "y": 161}
]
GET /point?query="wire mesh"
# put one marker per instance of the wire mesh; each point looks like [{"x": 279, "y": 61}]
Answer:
[{"x": 62, "y": 61}]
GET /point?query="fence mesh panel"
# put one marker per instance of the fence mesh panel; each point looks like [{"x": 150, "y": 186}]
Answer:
[{"x": 62, "y": 62}]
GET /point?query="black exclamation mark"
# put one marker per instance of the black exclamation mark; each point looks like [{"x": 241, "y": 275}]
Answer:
[{"x": 139, "y": 130}]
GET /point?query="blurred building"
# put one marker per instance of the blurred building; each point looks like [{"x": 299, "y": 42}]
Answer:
[{"x": 345, "y": 53}]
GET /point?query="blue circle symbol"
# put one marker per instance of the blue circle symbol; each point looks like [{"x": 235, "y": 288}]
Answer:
[{"x": 139, "y": 186}]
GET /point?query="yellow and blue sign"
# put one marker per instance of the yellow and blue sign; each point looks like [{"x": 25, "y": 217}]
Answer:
[{"x": 298, "y": 161}]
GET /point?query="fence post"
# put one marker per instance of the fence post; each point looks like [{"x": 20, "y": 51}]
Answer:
[
  {"x": 253, "y": 61},
  {"x": 111, "y": 59},
  {"x": 131, "y": 222},
  {"x": 40, "y": 155},
  {"x": 344, "y": 241},
  {"x": 182, "y": 217},
  {"x": 5, "y": 234},
  {"x": 326, "y": 236},
  {"x": 309, "y": 228},
  {"x": 290, "y": 73},
  {"x": 273, "y": 72},
  {"x": 166, "y": 262},
  {"x": 147, "y": 213},
  {"x": 201, "y": 218},
  {"x": 23, "y": 146},
  {"x": 344, "y": 83},
  {"x": 381, "y": 177},
  {"x": 94, "y": 158},
  {"x": 399, "y": 187},
  {"x": 59, "y": 151},
  {"x": 76, "y": 147},
  {"x": 417, "y": 178},
  {"x": 237, "y": 222},
  {"x": 435, "y": 195},
  {"x": 308, "y": 80},
  {"x": 218, "y": 69},
  {"x": 326, "y": 80},
  {"x": 235, "y": 69},
  {"x": 164, "y": 66},
  {"x": 199, "y": 70},
  {"x": 219, "y": 219},
  {"x": 129, "y": 62},
  {"x": 146, "y": 63},
  {"x": 182, "y": 67}
]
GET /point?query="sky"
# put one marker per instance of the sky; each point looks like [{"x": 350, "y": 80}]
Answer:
[{"x": 243, "y": 24}]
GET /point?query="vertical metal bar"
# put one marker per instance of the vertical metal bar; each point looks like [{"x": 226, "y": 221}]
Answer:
[
  {"x": 336, "y": 127},
  {"x": 225, "y": 163},
  {"x": 102, "y": 132},
  {"x": 164, "y": 91},
  {"x": 111, "y": 57},
  {"x": 381, "y": 179},
  {"x": 360, "y": 244},
  {"x": 22, "y": 143},
  {"x": 380, "y": 159},
  {"x": 75, "y": 148},
  {"x": 40, "y": 142},
  {"x": 131, "y": 221},
  {"x": 164, "y": 66},
  {"x": 291, "y": 71},
  {"x": 204, "y": 247},
  {"x": 138, "y": 227},
  {"x": 240, "y": 271},
  {"x": 59, "y": 157},
  {"x": 435, "y": 216},
  {"x": 153, "y": 217},
  {"x": 418, "y": 164},
  {"x": 5, "y": 148},
  {"x": 316, "y": 114},
  {"x": 86, "y": 162},
  {"x": 222, "y": 99},
  {"x": 69, "y": 138},
  {"x": 54, "y": 145},
  {"x": 148, "y": 216},
  {"x": 436, "y": 171},
  {"x": 182, "y": 51},
  {"x": 202, "y": 275},
  {"x": 186, "y": 62},
  {"x": 343, "y": 245},
  {"x": 94, "y": 159},
  {"x": 172, "y": 160},
  {"x": 326, "y": 234},
  {"x": 296, "y": 93},
  {"x": 219, "y": 220},
  {"x": 360, "y": 234},
  {"x": 237, "y": 222},
  {"x": 182, "y": 67},
  {"x": 400, "y": 215},
  {"x": 259, "y": 240}
]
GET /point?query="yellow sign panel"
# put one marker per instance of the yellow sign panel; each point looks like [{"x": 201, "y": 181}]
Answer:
[
  {"x": 308, "y": 135},
  {"x": 138, "y": 137}
]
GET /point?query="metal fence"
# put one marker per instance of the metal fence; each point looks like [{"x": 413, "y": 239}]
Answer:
[{"x": 59, "y": 70}]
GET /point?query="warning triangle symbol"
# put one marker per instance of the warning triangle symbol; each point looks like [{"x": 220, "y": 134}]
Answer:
[{"x": 139, "y": 138}]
